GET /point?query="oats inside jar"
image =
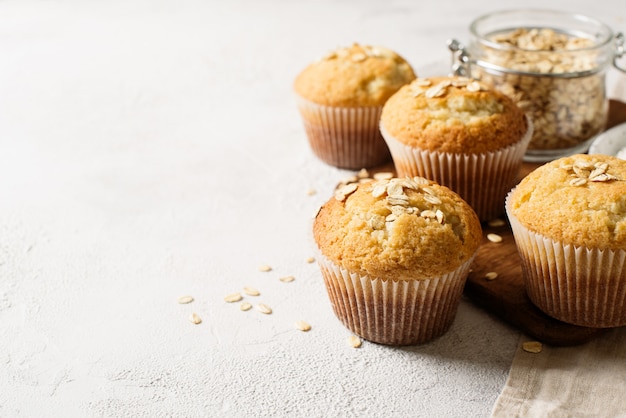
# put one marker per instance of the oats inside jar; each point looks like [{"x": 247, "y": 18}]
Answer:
[{"x": 553, "y": 76}]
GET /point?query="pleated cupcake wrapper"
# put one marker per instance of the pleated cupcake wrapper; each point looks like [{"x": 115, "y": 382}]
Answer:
[
  {"x": 482, "y": 180},
  {"x": 394, "y": 312},
  {"x": 344, "y": 137},
  {"x": 578, "y": 285}
]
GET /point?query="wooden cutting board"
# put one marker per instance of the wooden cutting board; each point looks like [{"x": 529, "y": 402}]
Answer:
[{"x": 505, "y": 296}]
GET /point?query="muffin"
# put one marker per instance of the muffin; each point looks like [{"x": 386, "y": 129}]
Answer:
[
  {"x": 340, "y": 98},
  {"x": 569, "y": 222},
  {"x": 460, "y": 134},
  {"x": 395, "y": 255}
]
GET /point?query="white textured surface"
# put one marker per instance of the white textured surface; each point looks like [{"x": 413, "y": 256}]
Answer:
[{"x": 153, "y": 149}]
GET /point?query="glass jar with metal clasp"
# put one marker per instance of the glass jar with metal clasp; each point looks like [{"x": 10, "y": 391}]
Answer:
[{"x": 553, "y": 64}]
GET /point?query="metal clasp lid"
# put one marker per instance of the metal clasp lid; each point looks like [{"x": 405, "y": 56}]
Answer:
[
  {"x": 620, "y": 51},
  {"x": 460, "y": 58}
]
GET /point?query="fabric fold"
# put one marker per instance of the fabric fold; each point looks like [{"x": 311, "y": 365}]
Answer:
[{"x": 565, "y": 382}]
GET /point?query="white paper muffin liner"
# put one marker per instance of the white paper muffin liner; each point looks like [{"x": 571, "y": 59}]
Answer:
[
  {"x": 394, "y": 312},
  {"x": 579, "y": 285},
  {"x": 482, "y": 180},
  {"x": 344, "y": 137}
]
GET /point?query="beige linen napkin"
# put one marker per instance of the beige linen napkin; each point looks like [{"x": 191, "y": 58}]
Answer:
[{"x": 582, "y": 381}]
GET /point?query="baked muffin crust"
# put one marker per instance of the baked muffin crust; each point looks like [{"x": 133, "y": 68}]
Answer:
[
  {"x": 453, "y": 114},
  {"x": 404, "y": 229},
  {"x": 359, "y": 75},
  {"x": 579, "y": 200}
]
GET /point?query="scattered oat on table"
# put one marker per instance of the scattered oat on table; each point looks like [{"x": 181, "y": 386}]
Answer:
[
  {"x": 263, "y": 308},
  {"x": 494, "y": 237},
  {"x": 245, "y": 306},
  {"x": 287, "y": 279},
  {"x": 183, "y": 300},
  {"x": 348, "y": 180},
  {"x": 495, "y": 223},
  {"x": 233, "y": 297},
  {"x": 251, "y": 291},
  {"x": 310, "y": 260},
  {"x": 363, "y": 174},
  {"x": 491, "y": 275},
  {"x": 383, "y": 175},
  {"x": 265, "y": 268},
  {"x": 354, "y": 341},
  {"x": 303, "y": 326},
  {"x": 532, "y": 347},
  {"x": 311, "y": 192},
  {"x": 195, "y": 319}
]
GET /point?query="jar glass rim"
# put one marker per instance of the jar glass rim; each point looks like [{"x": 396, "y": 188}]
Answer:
[{"x": 602, "y": 35}]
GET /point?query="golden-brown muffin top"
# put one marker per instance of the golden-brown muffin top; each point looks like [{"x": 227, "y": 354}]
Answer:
[
  {"x": 453, "y": 114},
  {"x": 359, "y": 75},
  {"x": 397, "y": 229},
  {"x": 579, "y": 200}
]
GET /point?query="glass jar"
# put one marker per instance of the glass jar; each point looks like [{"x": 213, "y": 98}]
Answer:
[{"x": 553, "y": 65}]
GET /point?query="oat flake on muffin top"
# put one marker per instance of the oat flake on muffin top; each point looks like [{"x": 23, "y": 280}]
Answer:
[
  {"x": 579, "y": 200},
  {"x": 404, "y": 229}
]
